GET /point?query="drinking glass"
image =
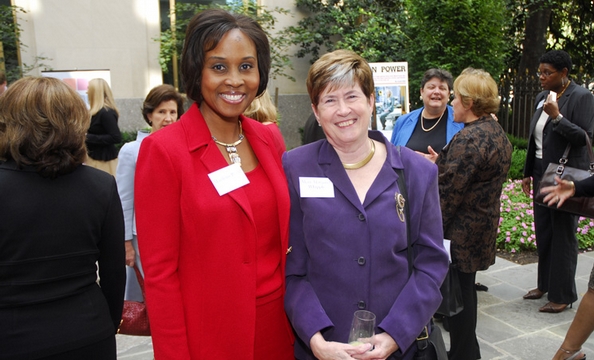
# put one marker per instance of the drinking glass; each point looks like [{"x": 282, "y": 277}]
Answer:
[{"x": 362, "y": 328}]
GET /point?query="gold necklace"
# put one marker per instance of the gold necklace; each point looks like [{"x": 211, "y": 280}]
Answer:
[
  {"x": 363, "y": 162},
  {"x": 232, "y": 148},
  {"x": 562, "y": 91},
  {"x": 434, "y": 125}
]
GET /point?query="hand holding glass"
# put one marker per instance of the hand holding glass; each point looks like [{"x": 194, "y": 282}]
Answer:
[{"x": 362, "y": 328}]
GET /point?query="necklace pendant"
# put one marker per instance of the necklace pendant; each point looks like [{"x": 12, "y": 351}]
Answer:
[
  {"x": 232, "y": 148},
  {"x": 235, "y": 159}
]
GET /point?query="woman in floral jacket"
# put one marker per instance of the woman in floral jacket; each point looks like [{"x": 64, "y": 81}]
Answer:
[{"x": 472, "y": 169}]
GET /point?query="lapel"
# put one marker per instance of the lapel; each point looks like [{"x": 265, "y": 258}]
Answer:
[
  {"x": 333, "y": 170},
  {"x": 564, "y": 100},
  {"x": 538, "y": 111},
  {"x": 201, "y": 145}
]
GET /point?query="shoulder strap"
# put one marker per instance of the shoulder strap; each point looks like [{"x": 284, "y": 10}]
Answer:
[
  {"x": 564, "y": 158},
  {"x": 139, "y": 278},
  {"x": 422, "y": 340},
  {"x": 402, "y": 187}
]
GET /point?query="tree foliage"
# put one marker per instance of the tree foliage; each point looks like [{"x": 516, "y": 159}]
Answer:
[
  {"x": 172, "y": 43},
  {"x": 454, "y": 35},
  {"x": 572, "y": 29},
  {"x": 10, "y": 32},
  {"x": 370, "y": 28},
  {"x": 542, "y": 25}
]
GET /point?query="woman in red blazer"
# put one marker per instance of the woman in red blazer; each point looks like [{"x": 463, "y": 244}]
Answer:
[{"x": 213, "y": 206}]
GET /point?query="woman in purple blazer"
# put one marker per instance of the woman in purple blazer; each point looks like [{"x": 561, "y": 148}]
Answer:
[{"x": 348, "y": 240}]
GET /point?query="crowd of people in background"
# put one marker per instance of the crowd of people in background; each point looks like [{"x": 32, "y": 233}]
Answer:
[{"x": 249, "y": 251}]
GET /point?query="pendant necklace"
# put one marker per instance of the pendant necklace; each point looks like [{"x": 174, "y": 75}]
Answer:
[
  {"x": 232, "y": 148},
  {"x": 434, "y": 125},
  {"x": 562, "y": 91},
  {"x": 363, "y": 162}
]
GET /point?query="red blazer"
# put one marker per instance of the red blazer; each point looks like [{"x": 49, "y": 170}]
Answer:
[{"x": 198, "y": 249}]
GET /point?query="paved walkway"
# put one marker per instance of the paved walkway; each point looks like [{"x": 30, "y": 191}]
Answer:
[{"x": 509, "y": 328}]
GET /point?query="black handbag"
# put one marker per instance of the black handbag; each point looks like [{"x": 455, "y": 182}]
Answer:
[
  {"x": 430, "y": 344},
  {"x": 451, "y": 293},
  {"x": 583, "y": 206},
  {"x": 431, "y": 347}
]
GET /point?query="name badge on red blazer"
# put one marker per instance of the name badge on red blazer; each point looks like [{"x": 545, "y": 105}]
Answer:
[{"x": 228, "y": 179}]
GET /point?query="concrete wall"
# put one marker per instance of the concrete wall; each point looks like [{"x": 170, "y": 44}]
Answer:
[
  {"x": 90, "y": 34},
  {"x": 294, "y": 111}
]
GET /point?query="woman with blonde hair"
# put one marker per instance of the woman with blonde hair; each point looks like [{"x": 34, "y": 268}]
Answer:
[
  {"x": 103, "y": 133},
  {"x": 472, "y": 169},
  {"x": 264, "y": 110}
]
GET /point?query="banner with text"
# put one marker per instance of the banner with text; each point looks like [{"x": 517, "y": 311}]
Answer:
[{"x": 391, "y": 93}]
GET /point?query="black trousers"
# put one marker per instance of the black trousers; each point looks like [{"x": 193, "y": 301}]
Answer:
[
  {"x": 557, "y": 248},
  {"x": 463, "y": 342},
  {"x": 101, "y": 350}
]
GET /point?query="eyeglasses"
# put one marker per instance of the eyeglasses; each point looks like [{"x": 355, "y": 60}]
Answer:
[{"x": 545, "y": 74}]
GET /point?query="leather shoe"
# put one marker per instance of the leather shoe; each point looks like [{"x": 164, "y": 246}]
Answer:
[
  {"x": 552, "y": 307},
  {"x": 534, "y": 294}
]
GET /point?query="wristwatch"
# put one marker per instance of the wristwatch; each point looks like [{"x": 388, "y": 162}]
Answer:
[{"x": 557, "y": 119}]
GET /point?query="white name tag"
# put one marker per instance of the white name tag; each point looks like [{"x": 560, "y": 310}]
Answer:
[
  {"x": 228, "y": 179},
  {"x": 447, "y": 245},
  {"x": 316, "y": 187}
]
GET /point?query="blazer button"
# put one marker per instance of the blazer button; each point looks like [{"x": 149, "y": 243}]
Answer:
[
  {"x": 361, "y": 217},
  {"x": 361, "y": 305},
  {"x": 361, "y": 261}
]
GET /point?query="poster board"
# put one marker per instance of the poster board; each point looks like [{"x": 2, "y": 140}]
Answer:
[
  {"x": 391, "y": 94},
  {"x": 79, "y": 79}
]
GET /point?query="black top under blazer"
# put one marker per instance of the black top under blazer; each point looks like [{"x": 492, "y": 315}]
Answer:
[{"x": 53, "y": 234}]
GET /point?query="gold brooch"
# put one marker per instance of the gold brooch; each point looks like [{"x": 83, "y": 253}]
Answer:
[{"x": 400, "y": 201}]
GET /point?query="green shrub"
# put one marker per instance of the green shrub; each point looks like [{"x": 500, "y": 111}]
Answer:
[
  {"x": 516, "y": 170},
  {"x": 126, "y": 137},
  {"x": 517, "y": 142}
]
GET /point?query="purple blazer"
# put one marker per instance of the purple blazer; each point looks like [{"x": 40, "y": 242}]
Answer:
[{"x": 348, "y": 256}]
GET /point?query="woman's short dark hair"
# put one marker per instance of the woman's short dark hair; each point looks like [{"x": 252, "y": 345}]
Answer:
[
  {"x": 159, "y": 94},
  {"x": 43, "y": 124},
  {"x": 559, "y": 59},
  {"x": 203, "y": 34},
  {"x": 441, "y": 74}
]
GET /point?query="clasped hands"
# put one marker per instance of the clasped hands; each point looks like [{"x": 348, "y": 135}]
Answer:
[{"x": 383, "y": 345}]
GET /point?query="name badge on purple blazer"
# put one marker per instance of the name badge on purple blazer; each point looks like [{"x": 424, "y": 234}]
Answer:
[
  {"x": 316, "y": 187},
  {"x": 228, "y": 179}
]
